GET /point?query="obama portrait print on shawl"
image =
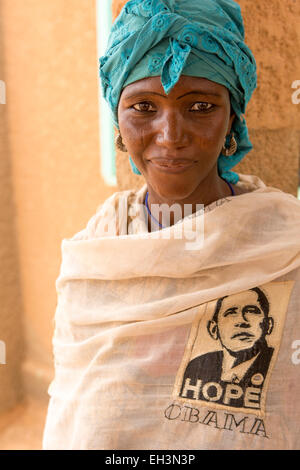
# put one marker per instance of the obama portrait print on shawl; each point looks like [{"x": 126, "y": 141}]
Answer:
[{"x": 232, "y": 347}]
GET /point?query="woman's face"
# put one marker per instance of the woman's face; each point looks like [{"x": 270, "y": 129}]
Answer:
[{"x": 175, "y": 139}]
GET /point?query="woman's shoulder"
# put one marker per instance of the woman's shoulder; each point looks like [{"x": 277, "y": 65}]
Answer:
[
  {"x": 248, "y": 184},
  {"x": 253, "y": 184}
]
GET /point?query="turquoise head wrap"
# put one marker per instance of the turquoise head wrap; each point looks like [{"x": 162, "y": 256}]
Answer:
[{"x": 169, "y": 38}]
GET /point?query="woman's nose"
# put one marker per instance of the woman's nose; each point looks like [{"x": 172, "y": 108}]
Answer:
[{"x": 170, "y": 131}]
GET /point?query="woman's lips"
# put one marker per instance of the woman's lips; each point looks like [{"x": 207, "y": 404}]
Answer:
[{"x": 169, "y": 165}]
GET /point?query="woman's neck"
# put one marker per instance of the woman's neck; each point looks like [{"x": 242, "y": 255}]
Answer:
[{"x": 169, "y": 211}]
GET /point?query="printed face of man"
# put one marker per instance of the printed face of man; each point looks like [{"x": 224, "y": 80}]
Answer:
[{"x": 241, "y": 322}]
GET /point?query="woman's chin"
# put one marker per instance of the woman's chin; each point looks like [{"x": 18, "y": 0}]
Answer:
[{"x": 173, "y": 187}]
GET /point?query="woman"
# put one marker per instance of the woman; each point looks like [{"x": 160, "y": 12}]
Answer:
[{"x": 178, "y": 308}]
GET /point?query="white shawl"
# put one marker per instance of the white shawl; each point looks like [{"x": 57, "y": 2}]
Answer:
[{"x": 140, "y": 360}]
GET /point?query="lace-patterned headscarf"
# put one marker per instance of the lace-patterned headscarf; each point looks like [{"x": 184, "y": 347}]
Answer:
[{"x": 170, "y": 38}]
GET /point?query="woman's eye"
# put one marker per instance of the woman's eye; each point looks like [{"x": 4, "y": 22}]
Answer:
[
  {"x": 143, "y": 107},
  {"x": 202, "y": 106}
]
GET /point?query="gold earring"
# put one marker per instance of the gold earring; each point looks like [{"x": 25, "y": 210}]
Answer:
[
  {"x": 119, "y": 143},
  {"x": 232, "y": 148}
]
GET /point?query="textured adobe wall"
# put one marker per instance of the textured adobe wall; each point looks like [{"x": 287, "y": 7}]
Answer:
[
  {"x": 51, "y": 65},
  {"x": 273, "y": 34}
]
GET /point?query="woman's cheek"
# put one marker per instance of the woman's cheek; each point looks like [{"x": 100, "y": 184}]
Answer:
[{"x": 137, "y": 134}]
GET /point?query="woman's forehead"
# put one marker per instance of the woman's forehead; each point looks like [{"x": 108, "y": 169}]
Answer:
[{"x": 185, "y": 84}]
